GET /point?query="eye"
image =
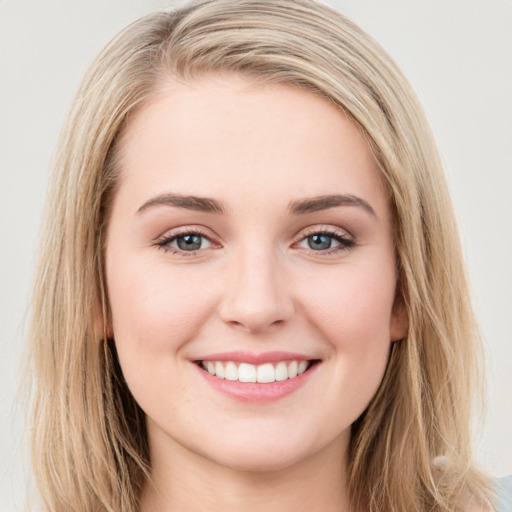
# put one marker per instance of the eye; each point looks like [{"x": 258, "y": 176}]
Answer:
[
  {"x": 189, "y": 242},
  {"x": 326, "y": 242},
  {"x": 184, "y": 242},
  {"x": 320, "y": 241}
]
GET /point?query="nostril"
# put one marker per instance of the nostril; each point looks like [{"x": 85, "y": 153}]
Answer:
[
  {"x": 256, "y": 324},
  {"x": 256, "y": 315}
]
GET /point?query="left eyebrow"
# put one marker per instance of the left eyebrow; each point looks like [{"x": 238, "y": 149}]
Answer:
[{"x": 315, "y": 204}]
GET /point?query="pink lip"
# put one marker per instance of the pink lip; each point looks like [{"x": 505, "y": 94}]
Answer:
[
  {"x": 240, "y": 356},
  {"x": 255, "y": 392}
]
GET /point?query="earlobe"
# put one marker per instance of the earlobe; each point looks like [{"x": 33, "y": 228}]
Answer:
[{"x": 399, "y": 322}]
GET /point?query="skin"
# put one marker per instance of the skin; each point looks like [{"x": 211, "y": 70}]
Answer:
[{"x": 254, "y": 285}]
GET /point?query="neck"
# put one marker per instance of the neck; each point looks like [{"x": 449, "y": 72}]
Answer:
[{"x": 183, "y": 481}]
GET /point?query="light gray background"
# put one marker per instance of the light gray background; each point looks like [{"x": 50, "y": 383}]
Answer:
[{"x": 456, "y": 53}]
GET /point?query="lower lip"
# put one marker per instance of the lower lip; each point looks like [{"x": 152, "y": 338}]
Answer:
[{"x": 254, "y": 391}]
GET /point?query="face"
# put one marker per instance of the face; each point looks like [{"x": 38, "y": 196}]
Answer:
[{"x": 250, "y": 272}]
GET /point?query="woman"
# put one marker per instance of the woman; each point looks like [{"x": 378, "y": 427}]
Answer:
[{"x": 250, "y": 293}]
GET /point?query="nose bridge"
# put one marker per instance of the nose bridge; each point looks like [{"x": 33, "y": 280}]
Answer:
[{"x": 255, "y": 297}]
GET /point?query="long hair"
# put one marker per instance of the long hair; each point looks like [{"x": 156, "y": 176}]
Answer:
[{"x": 90, "y": 449}]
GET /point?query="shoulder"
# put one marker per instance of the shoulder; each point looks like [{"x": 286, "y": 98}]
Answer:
[{"x": 503, "y": 501}]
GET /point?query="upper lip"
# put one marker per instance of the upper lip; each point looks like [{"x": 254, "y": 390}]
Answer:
[{"x": 240, "y": 356}]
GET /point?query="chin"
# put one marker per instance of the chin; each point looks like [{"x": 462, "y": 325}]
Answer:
[
  {"x": 263, "y": 461},
  {"x": 263, "y": 454}
]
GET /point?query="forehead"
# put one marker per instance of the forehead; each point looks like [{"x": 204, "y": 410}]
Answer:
[{"x": 226, "y": 136}]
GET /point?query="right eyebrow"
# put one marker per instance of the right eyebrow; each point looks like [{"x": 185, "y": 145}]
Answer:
[{"x": 200, "y": 204}]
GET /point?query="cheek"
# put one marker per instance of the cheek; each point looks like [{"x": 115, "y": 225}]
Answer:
[
  {"x": 154, "y": 309},
  {"x": 351, "y": 308},
  {"x": 352, "y": 313},
  {"x": 352, "y": 304},
  {"x": 155, "y": 313}
]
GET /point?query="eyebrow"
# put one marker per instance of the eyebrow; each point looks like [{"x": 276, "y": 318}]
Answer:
[
  {"x": 200, "y": 204},
  {"x": 296, "y": 207},
  {"x": 315, "y": 204}
]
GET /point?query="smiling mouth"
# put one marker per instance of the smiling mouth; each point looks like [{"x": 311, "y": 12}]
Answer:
[{"x": 263, "y": 374}]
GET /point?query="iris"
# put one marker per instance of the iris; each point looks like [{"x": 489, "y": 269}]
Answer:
[{"x": 319, "y": 242}]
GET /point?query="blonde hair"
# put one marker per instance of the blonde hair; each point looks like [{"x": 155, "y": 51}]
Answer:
[{"x": 90, "y": 450}]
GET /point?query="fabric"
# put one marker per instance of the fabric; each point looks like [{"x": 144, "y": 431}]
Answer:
[{"x": 503, "y": 501}]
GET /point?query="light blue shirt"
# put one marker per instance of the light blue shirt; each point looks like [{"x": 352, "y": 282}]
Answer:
[{"x": 503, "y": 501}]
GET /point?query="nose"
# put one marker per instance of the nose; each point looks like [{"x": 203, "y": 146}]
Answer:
[{"x": 256, "y": 298}]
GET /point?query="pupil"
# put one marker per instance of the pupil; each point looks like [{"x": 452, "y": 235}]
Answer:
[
  {"x": 319, "y": 242},
  {"x": 189, "y": 242}
]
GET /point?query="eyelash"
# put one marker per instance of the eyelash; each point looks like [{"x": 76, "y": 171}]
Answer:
[
  {"x": 342, "y": 238},
  {"x": 345, "y": 241},
  {"x": 164, "y": 242}
]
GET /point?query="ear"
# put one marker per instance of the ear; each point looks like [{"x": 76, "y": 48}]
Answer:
[{"x": 399, "y": 321}]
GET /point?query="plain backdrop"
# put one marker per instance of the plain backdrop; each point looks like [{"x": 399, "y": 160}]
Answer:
[{"x": 457, "y": 55}]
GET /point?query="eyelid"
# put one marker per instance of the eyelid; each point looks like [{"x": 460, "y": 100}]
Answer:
[
  {"x": 186, "y": 229},
  {"x": 324, "y": 228}
]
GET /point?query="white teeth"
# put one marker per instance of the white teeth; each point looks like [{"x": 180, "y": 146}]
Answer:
[
  {"x": 281, "y": 372},
  {"x": 263, "y": 373},
  {"x": 247, "y": 372},
  {"x": 219, "y": 370},
  {"x": 292, "y": 369},
  {"x": 266, "y": 373},
  {"x": 231, "y": 372},
  {"x": 302, "y": 367}
]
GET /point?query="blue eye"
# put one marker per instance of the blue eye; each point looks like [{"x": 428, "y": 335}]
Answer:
[
  {"x": 319, "y": 242},
  {"x": 184, "y": 242},
  {"x": 189, "y": 242},
  {"x": 326, "y": 242}
]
